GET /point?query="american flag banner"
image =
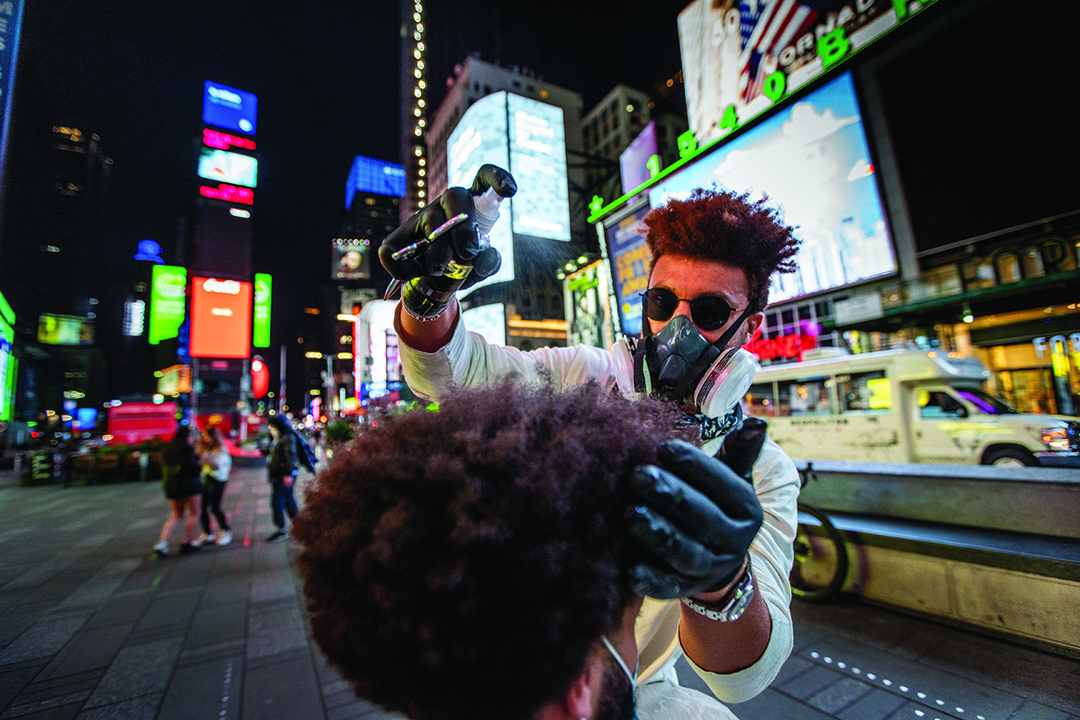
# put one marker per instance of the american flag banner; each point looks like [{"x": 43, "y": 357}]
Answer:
[{"x": 767, "y": 27}]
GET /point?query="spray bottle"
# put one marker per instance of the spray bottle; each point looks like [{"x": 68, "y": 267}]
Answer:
[{"x": 427, "y": 297}]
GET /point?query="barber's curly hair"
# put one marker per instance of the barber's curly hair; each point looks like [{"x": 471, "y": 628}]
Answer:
[
  {"x": 723, "y": 226},
  {"x": 463, "y": 563}
]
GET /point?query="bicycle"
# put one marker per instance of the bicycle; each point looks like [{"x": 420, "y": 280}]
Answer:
[{"x": 821, "y": 559}]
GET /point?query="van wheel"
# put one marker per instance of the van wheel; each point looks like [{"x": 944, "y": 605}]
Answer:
[{"x": 1009, "y": 457}]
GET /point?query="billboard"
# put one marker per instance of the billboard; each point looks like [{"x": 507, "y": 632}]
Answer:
[
  {"x": 228, "y": 108},
  {"x": 630, "y": 260},
  {"x": 8, "y": 361},
  {"x": 487, "y": 320},
  {"x": 10, "y": 31},
  {"x": 640, "y": 160},
  {"x": 813, "y": 162},
  {"x": 168, "y": 302},
  {"x": 741, "y": 56},
  {"x": 222, "y": 241},
  {"x": 480, "y": 137},
  {"x": 229, "y": 167},
  {"x": 260, "y": 321},
  {"x": 351, "y": 259},
  {"x": 538, "y": 163},
  {"x": 65, "y": 330},
  {"x": 374, "y": 176},
  {"x": 220, "y": 318}
]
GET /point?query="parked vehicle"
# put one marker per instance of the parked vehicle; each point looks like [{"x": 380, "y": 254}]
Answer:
[{"x": 904, "y": 406}]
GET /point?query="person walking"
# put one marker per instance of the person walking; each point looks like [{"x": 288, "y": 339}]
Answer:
[
  {"x": 216, "y": 465},
  {"x": 282, "y": 469},
  {"x": 183, "y": 490}
]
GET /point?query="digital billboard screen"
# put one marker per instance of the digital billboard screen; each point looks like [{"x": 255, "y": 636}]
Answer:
[
  {"x": 481, "y": 137},
  {"x": 635, "y": 160},
  {"x": 739, "y": 58},
  {"x": 487, "y": 320},
  {"x": 350, "y": 259},
  {"x": 538, "y": 163},
  {"x": 228, "y": 108},
  {"x": 374, "y": 176},
  {"x": 65, "y": 330},
  {"x": 260, "y": 330},
  {"x": 812, "y": 161},
  {"x": 630, "y": 260},
  {"x": 229, "y": 167},
  {"x": 168, "y": 302},
  {"x": 220, "y": 318}
]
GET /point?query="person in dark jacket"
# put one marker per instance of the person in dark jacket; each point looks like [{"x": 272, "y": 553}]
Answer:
[
  {"x": 183, "y": 488},
  {"x": 282, "y": 469}
]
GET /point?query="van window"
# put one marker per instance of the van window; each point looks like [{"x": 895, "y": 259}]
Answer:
[
  {"x": 939, "y": 404},
  {"x": 759, "y": 400},
  {"x": 804, "y": 397},
  {"x": 864, "y": 392}
]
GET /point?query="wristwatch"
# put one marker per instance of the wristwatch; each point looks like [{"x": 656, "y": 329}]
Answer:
[{"x": 737, "y": 601}]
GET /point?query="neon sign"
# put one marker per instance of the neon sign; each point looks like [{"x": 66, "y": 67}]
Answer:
[
  {"x": 788, "y": 346},
  {"x": 229, "y": 193},
  {"x": 224, "y": 141}
]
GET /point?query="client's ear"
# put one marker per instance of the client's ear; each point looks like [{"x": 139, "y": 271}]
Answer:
[{"x": 581, "y": 698}]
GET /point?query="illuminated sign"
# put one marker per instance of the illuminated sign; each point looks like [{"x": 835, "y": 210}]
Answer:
[
  {"x": 787, "y": 346},
  {"x": 224, "y": 141},
  {"x": 228, "y": 193},
  {"x": 351, "y": 258},
  {"x": 260, "y": 377},
  {"x": 639, "y": 162},
  {"x": 65, "y": 330},
  {"x": 480, "y": 137},
  {"x": 260, "y": 324},
  {"x": 374, "y": 176},
  {"x": 630, "y": 260},
  {"x": 229, "y": 108},
  {"x": 538, "y": 163},
  {"x": 174, "y": 380},
  {"x": 740, "y": 59},
  {"x": 487, "y": 320},
  {"x": 228, "y": 167},
  {"x": 168, "y": 292},
  {"x": 220, "y": 318},
  {"x": 813, "y": 162},
  {"x": 11, "y": 14},
  {"x": 134, "y": 318},
  {"x": 8, "y": 361}
]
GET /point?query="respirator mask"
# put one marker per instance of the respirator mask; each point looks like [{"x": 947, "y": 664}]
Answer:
[{"x": 679, "y": 365}]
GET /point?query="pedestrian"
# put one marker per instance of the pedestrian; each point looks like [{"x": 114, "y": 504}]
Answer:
[
  {"x": 408, "y": 572},
  {"x": 720, "y": 598},
  {"x": 282, "y": 469},
  {"x": 216, "y": 465},
  {"x": 180, "y": 470}
]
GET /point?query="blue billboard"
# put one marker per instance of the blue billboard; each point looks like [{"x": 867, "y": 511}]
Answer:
[
  {"x": 374, "y": 176},
  {"x": 228, "y": 108},
  {"x": 10, "y": 31}
]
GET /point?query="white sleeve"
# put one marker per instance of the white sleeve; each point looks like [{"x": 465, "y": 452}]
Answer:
[{"x": 771, "y": 555}]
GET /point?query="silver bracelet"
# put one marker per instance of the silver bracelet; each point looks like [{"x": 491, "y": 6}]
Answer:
[{"x": 735, "y": 607}]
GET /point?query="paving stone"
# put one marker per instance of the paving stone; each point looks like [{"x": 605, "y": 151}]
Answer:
[
  {"x": 138, "y": 670},
  {"x": 268, "y": 697},
  {"x": 48, "y": 712},
  {"x": 140, "y": 708},
  {"x": 275, "y": 631},
  {"x": 209, "y": 689},
  {"x": 875, "y": 705},
  {"x": 42, "y": 640},
  {"x": 810, "y": 682},
  {"x": 839, "y": 695},
  {"x": 170, "y": 610},
  {"x": 218, "y": 623},
  {"x": 89, "y": 650},
  {"x": 774, "y": 705}
]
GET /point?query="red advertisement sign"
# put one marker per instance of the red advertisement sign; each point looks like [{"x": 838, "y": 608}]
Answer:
[{"x": 220, "y": 318}]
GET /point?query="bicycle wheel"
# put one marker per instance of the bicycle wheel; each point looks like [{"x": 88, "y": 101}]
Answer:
[{"x": 821, "y": 560}]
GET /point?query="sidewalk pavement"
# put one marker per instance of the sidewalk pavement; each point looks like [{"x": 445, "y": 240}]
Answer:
[{"x": 92, "y": 626}]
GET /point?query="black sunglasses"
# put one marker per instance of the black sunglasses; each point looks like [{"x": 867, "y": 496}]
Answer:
[{"x": 709, "y": 312}]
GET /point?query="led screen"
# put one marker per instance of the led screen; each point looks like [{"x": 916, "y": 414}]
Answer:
[
  {"x": 740, "y": 57},
  {"x": 228, "y": 108},
  {"x": 538, "y": 163},
  {"x": 374, "y": 176},
  {"x": 635, "y": 160},
  {"x": 260, "y": 331},
  {"x": 812, "y": 161},
  {"x": 168, "y": 302},
  {"x": 630, "y": 259},
  {"x": 8, "y": 361},
  {"x": 230, "y": 167},
  {"x": 350, "y": 258},
  {"x": 220, "y": 318},
  {"x": 65, "y": 330},
  {"x": 481, "y": 137},
  {"x": 487, "y": 320}
]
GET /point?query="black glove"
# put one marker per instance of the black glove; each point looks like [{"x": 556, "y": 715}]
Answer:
[
  {"x": 695, "y": 521},
  {"x": 462, "y": 244}
]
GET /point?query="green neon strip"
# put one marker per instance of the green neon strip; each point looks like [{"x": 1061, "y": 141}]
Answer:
[
  {"x": 597, "y": 215},
  {"x": 5, "y": 310},
  {"x": 168, "y": 302},
  {"x": 260, "y": 325},
  {"x": 7, "y": 403}
]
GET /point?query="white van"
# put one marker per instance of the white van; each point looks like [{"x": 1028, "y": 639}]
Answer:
[{"x": 903, "y": 406}]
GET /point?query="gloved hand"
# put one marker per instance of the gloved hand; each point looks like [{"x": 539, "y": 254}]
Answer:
[
  {"x": 695, "y": 519},
  {"x": 462, "y": 245}
]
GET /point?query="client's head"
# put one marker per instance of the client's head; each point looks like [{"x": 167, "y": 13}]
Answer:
[{"x": 468, "y": 563}]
